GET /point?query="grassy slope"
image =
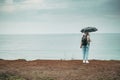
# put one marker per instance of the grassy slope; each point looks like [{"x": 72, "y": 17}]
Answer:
[{"x": 59, "y": 70}]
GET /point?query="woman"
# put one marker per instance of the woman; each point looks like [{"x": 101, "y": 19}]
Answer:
[{"x": 85, "y": 44}]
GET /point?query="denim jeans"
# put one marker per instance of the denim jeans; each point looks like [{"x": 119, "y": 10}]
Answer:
[{"x": 85, "y": 50}]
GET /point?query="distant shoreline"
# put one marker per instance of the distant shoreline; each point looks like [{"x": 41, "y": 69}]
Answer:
[{"x": 55, "y": 34}]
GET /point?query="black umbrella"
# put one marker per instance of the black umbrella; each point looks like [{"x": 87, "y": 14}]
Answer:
[{"x": 89, "y": 29}]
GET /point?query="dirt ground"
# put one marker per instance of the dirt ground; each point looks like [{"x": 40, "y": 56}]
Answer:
[{"x": 59, "y": 70}]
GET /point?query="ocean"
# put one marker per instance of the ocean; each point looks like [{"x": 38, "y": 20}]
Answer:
[{"x": 104, "y": 46}]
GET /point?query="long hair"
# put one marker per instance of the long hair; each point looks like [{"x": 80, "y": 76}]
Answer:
[{"x": 87, "y": 33}]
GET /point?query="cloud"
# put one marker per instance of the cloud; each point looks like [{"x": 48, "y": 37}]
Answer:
[
  {"x": 62, "y": 7},
  {"x": 58, "y": 15},
  {"x": 12, "y": 6},
  {"x": 8, "y": 8},
  {"x": 22, "y": 5},
  {"x": 33, "y": 1}
]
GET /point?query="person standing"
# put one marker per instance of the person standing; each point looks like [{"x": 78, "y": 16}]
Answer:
[{"x": 85, "y": 44}]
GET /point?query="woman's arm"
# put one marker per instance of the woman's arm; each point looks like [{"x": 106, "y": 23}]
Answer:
[
  {"x": 81, "y": 44},
  {"x": 88, "y": 39}
]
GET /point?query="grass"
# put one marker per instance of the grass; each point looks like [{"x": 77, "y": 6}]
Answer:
[
  {"x": 8, "y": 76},
  {"x": 59, "y": 70}
]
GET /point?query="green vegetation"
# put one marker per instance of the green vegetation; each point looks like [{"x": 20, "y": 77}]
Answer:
[
  {"x": 59, "y": 70},
  {"x": 7, "y": 76},
  {"x": 46, "y": 78}
]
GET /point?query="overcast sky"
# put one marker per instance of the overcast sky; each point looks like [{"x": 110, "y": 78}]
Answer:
[{"x": 58, "y": 16}]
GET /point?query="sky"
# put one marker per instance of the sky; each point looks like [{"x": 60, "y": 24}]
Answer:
[{"x": 58, "y": 16}]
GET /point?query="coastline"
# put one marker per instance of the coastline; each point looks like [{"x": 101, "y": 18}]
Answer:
[{"x": 60, "y": 69}]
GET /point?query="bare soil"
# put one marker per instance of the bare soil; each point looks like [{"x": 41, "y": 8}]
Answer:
[{"x": 59, "y": 70}]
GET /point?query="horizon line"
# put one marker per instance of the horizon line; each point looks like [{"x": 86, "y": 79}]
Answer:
[{"x": 56, "y": 33}]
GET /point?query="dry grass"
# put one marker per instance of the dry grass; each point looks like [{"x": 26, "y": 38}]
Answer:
[{"x": 59, "y": 70}]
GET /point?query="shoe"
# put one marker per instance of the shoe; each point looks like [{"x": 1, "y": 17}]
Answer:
[
  {"x": 87, "y": 61},
  {"x": 83, "y": 61}
]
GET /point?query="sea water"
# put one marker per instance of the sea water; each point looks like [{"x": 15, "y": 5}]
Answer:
[{"x": 104, "y": 46}]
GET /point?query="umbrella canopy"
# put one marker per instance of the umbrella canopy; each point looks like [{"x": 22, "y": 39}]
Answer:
[{"x": 89, "y": 29}]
